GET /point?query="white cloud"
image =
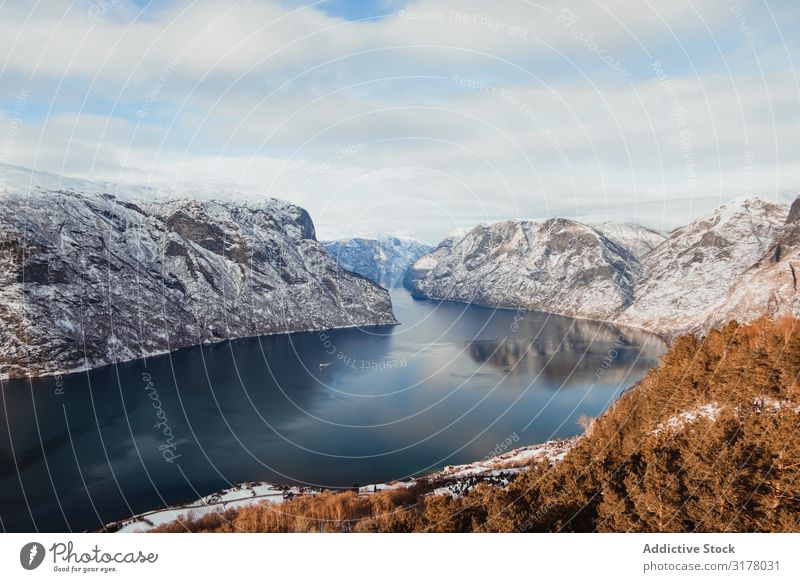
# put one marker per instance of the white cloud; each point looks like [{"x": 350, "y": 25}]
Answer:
[{"x": 430, "y": 118}]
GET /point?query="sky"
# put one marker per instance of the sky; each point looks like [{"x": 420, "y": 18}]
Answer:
[{"x": 415, "y": 117}]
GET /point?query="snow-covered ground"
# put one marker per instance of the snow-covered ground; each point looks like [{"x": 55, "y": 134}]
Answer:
[
  {"x": 457, "y": 480},
  {"x": 712, "y": 410},
  {"x": 452, "y": 480},
  {"x": 237, "y": 496},
  {"x": 679, "y": 421},
  {"x": 509, "y": 462}
]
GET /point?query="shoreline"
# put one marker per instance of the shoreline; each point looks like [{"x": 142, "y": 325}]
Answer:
[
  {"x": 4, "y": 377},
  {"x": 452, "y": 480},
  {"x": 664, "y": 337}
]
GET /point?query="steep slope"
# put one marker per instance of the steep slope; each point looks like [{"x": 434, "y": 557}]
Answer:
[
  {"x": 425, "y": 263},
  {"x": 638, "y": 239},
  {"x": 381, "y": 260},
  {"x": 770, "y": 286},
  {"x": 557, "y": 265},
  {"x": 687, "y": 278},
  {"x": 87, "y": 279}
]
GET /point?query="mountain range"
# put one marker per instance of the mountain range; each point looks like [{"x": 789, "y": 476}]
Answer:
[
  {"x": 89, "y": 278},
  {"x": 738, "y": 262},
  {"x": 556, "y": 265},
  {"x": 383, "y": 260}
]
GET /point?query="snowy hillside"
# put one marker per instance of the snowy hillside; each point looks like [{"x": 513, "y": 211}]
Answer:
[
  {"x": 687, "y": 278},
  {"x": 88, "y": 278},
  {"x": 638, "y": 239},
  {"x": 382, "y": 260},
  {"x": 738, "y": 262},
  {"x": 770, "y": 285},
  {"x": 557, "y": 265}
]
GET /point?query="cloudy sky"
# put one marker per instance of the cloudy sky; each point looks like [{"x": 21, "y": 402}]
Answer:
[{"x": 415, "y": 117}]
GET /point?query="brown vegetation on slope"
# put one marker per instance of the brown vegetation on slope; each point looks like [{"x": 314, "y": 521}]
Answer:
[{"x": 705, "y": 442}]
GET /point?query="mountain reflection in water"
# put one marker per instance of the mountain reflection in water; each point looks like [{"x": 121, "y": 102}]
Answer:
[{"x": 579, "y": 352}]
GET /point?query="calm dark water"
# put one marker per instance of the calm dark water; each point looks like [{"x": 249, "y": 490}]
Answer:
[{"x": 332, "y": 408}]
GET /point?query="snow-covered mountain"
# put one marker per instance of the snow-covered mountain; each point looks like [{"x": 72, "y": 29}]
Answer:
[
  {"x": 770, "y": 285},
  {"x": 88, "y": 279},
  {"x": 688, "y": 277},
  {"x": 638, "y": 239},
  {"x": 738, "y": 262},
  {"x": 419, "y": 268},
  {"x": 382, "y": 260},
  {"x": 556, "y": 265}
]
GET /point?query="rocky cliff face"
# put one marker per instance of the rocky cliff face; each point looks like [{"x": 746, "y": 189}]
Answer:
[
  {"x": 739, "y": 262},
  {"x": 638, "y": 239},
  {"x": 381, "y": 260},
  {"x": 88, "y": 279},
  {"x": 557, "y": 265},
  {"x": 688, "y": 277}
]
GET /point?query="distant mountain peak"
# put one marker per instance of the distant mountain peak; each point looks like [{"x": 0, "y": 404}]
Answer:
[{"x": 382, "y": 260}]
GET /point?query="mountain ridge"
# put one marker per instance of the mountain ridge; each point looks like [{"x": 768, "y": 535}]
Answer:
[
  {"x": 89, "y": 279},
  {"x": 526, "y": 265},
  {"x": 677, "y": 286}
]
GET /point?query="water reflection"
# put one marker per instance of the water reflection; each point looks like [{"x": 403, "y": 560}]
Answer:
[
  {"x": 571, "y": 353},
  {"x": 330, "y": 408}
]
